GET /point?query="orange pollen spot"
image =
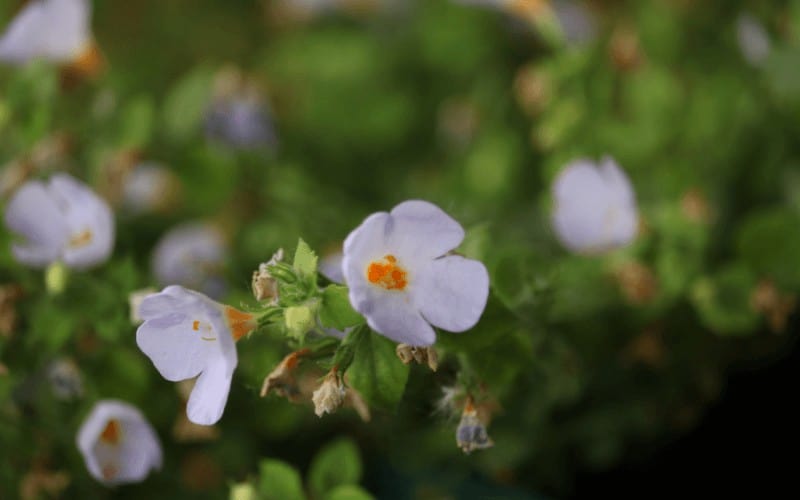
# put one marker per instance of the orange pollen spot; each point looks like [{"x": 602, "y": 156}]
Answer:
[
  {"x": 387, "y": 274},
  {"x": 240, "y": 323},
  {"x": 195, "y": 325},
  {"x": 109, "y": 471},
  {"x": 81, "y": 239},
  {"x": 111, "y": 434}
]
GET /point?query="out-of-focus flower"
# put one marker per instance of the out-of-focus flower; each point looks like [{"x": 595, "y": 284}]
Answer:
[
  {"x": 264, "y": 285},
  {"x": 135, "y": 299},
  {"x": 239, "y": 115},
  {"x": 149, "y": 187},
  {"x": 191, "y": 255},
  {"x": 65, "y": 379},
  {"x": 54, "y": 30},
  {"x": 595, "y": 207},
  {"x": 185, "y": 334},
  {"x": 577, "y": 22},
  {"x": 40, "y": 481},
  {"x": 403, "y": 277},
  {"x": 427, "y": 355},
  {"x": 118, "y": 444},
  {"x": 330, "y": 395},
  {"x": 9, "y": 294},
  {"x": 61, "y": 221},
  {"x": 753, "y": 39},
  {"x": 471, "y": 433}
]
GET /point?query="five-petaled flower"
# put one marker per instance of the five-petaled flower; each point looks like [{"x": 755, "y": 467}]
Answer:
[
  {"x": 54, "y": 30},
  {"x": 118, "y": 444},
  {"x": 186, "y": 334},
  {"x": 403, "y": 277},
  {"x": 60, "y": 221},
  {"x": 595, "y": 207}
]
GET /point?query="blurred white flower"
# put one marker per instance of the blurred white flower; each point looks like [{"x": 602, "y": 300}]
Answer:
[
  {"x": 595, "y": 207},
  {"x": 65, "y": 379},
  {"x": 403, "y": 277},
  {"x": 192, "y": 255},
  {"x": 753, "y": 39},
  {"x": 577, "y": 22},
  {"x": 148, "y": 187},
  {"x": 118, "y": 444},
  {"x": 62, "y": 220},
  {"x": 54, "y": 30},
  {"x": 185, "y": 334}
]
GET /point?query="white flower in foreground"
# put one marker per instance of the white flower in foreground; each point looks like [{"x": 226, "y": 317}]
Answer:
[
  {"x": 185, "y": 334},
  {"x": 595, "y": 207},
  {"x": 753, "y": 39},
  {"x": 54, "y": 30},
  {"x": 191, "y": 255},
  {"x": 403, "y": 278},
  {"x": 118, "y": 444},
  {"x": 61, "y": 220}
]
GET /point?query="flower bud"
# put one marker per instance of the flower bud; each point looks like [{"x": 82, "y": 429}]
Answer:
[
  {"x": 282, "y": 380},
  {"x": 330, "y": 395},
  {"x": 299, "y": 320},
  {"x": 408, "y": 353},
  {"x": 471, "y": 432},
  {"x": 265, "y": 286},
  {"x": 55, "y": 278}
]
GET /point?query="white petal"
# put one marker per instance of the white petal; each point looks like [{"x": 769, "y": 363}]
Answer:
[
  {"x": 452, "y": 292},
  {"x": 85, "y": 214},
  {"x": 331, "y": 267},
  {"x": 210, "y": 393},
  {"x": 421, "y": 230},
  {"x": 595, "y": 209},
  {"x": 56, "y": 30},
  {"x": 181, "y": 341},
  {"x": 392, "y": 315},
  {"x": 140, "y": 452},
  {"x": 35, "y": 215},
  {"x": 753, "y": 39}
]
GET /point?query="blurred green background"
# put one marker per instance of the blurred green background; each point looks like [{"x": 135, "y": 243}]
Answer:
[{"x": 475, "y": 109}]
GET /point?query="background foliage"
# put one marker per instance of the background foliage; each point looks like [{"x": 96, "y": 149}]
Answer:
[{"x": 586, "y": 357}]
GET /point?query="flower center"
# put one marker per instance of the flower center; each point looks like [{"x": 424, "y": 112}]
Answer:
[
  {"x": 111, "y": 434},
  {"x": 387, "y": 274},
  {"x": 81, "y": 239}
]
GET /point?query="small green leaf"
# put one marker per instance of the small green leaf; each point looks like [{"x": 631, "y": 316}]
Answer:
[
  {"x": 305, "y": 260},
  {"x": 723, "y": 301},
  {"x": 376, "y": 372},
  {"x": 279, "y": 481},
  {"x": 338, "y": 463},
  {"x": 348, "y": 492},
  {"x": 336, "y": 311}
]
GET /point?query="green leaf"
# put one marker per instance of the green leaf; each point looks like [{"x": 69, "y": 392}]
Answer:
[
  {"x": 769, "y": 242},
  {"x": 305, "y": 260},
  {"x": 279, "y": 481},
  {"x": 336, "y": 311},
  {"x": 185, "y": 105},
  {"x": 348, "y": 492},
  {"x": 376, "y": 372},
  {"x": 137, "y": 123},
  {"x": 338, "y": 463},
  {"x": 723, "y": 301}
]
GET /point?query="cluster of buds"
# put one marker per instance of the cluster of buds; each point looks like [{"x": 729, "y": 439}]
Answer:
[{"x": 408, "y": 353}]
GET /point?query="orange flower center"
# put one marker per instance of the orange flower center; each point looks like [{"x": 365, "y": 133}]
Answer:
[
  {"x": 81, "y": 239},
  {"x": 387, "y": 274},
  {"x": 240, "y": 323},
  {"x": 111, "y": 434}
]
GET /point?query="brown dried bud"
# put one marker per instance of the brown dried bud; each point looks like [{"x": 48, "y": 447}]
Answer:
[
  {"x": 775, "y": 306},
  {"x": 532, "y": 89},
  {"x": 330, "y": 395},
  {"x": 471, "y": 433},
  {"x": 265, "y": 286},
  {"x": 694, "y": 207},
  {"x": 408, "y": 353},
  {"x": 637, "y": 282},
  {"x": 9, "y": 294},
  {"x": 624, "y": 50},
  {"x": 281, "y": 380}
]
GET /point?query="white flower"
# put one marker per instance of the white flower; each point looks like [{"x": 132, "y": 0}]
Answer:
[
  {"x": 403, "y": 278},
  {"x": 65, "y": 379},
  {"x": 753, "y": 39},
  {"x": 149, "y": 187},
  {"x": 118, "y": 444},
  {"x": 185, "y": 334},
  {"x": 191, "y": 255},
  {"x": 595, "y": 207},
  {"x": 241, "y": 120},
  {"x": 55, "y": 30},
  {"x": 62, "y": 220}
]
